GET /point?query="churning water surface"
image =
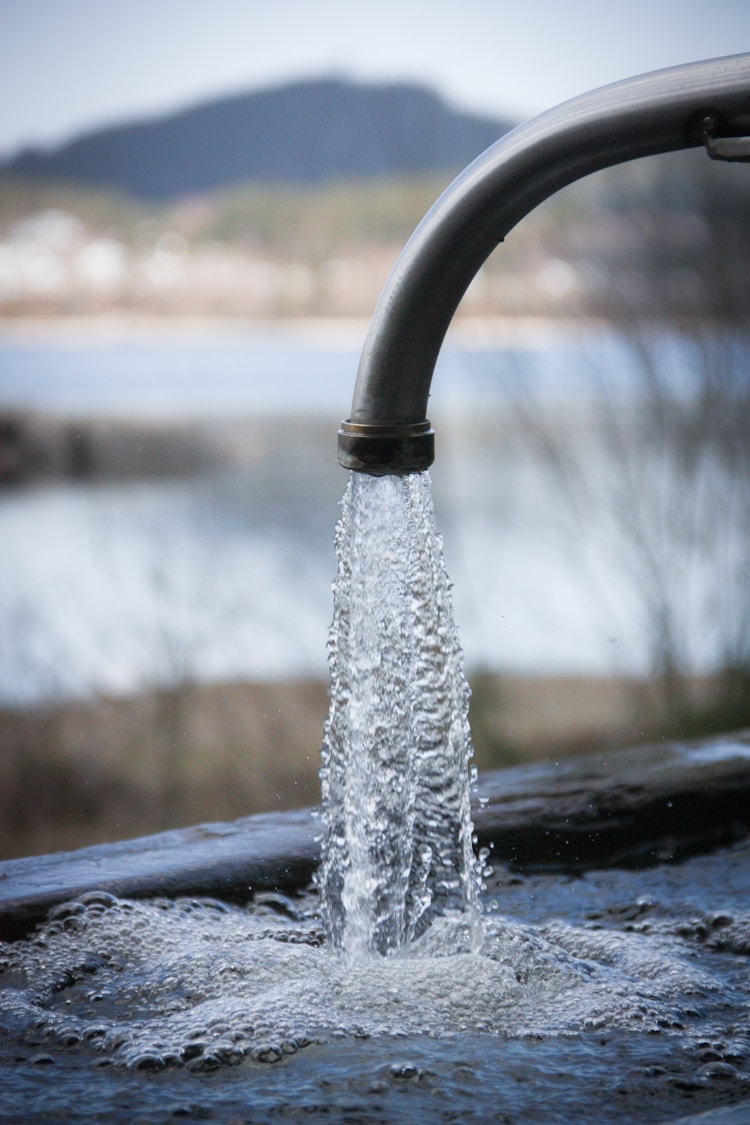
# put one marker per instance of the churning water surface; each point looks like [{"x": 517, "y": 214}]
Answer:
[
  {"x": 397, "y": 989},
  {"x": 617, "y": 996}
]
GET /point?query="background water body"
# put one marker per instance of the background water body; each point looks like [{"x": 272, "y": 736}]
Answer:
[{"x": 107, "y": 587}]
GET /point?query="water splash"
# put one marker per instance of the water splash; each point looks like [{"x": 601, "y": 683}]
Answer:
[
  {"x": 199, "y": 984},
  {"x": 397, "y": 850}
]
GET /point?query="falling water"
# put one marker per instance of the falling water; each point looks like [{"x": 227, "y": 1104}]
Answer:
[{"x": 397, "y": 849}]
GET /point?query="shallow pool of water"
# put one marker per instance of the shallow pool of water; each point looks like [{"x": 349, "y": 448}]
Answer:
[{"x": 617, "y": 996}]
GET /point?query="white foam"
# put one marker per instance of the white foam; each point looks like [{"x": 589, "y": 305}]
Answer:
[{"x": 156, "y": 984}]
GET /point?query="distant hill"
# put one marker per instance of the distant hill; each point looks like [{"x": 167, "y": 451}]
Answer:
[{"x": 303, "y": 133}]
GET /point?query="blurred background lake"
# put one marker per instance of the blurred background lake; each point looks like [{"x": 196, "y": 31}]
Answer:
[
  {"x": 176, "y": 497},
  {"x": 182, "y": 306},
  {"x": 171, "y": 497},
  {"x": 167, "y": 519}
]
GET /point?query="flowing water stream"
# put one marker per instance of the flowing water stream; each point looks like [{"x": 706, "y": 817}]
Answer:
[
  {"x": 395, "y": 785},
  {"x": 413, "y": 982}
]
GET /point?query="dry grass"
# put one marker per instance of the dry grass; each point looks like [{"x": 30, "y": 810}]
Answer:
[{"x": 81, "y": 774}]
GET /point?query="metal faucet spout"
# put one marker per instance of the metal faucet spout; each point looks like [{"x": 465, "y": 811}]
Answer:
[{"x": 682, "y": 107}]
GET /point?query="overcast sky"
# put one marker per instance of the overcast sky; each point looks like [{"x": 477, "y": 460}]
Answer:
[{"x": 69, "y": 65}]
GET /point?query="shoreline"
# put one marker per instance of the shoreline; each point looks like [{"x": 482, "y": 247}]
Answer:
[{"x": 468, "y": 330}]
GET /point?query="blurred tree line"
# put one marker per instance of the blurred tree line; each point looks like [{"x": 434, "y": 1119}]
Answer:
[{"x": 648, "y": 237}]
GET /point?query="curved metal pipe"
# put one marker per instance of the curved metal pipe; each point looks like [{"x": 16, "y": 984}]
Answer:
[{"x": 679, "y": 108}]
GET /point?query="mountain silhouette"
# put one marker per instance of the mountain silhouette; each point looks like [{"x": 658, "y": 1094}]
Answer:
[{"x": 302, "y": 133}]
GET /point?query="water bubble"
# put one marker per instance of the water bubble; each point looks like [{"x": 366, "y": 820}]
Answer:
[
  {"x": 404, "y": 1070},
  {"x": 267, "y": 1053},
  {"x": 717, "y": 1070}
]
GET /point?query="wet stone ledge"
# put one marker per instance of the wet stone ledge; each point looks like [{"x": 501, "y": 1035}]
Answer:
[{"x": 630, "y": 808}]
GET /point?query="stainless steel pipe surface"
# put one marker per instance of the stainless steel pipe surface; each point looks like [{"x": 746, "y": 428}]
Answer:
[{"x": 653, "y": 113}]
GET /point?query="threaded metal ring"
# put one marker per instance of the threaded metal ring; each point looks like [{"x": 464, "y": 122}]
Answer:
[{"x": 380, "y": 450}]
